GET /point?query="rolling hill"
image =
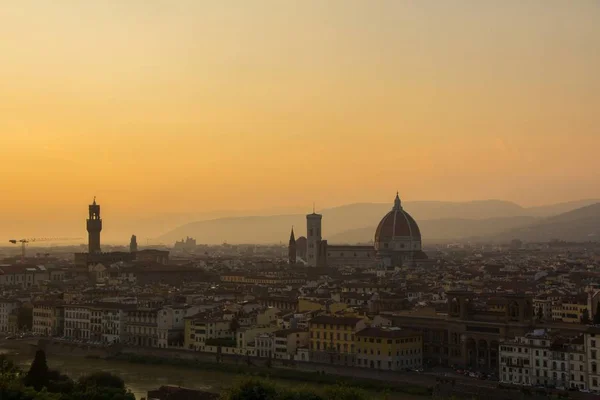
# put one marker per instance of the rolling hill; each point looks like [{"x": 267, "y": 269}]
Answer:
[
  {"x": 354, "y": 223},
  {"x": 580, "y": 225}
]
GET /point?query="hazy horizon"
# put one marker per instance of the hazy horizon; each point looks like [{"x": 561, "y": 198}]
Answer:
[{"x": 198, "y": 106}]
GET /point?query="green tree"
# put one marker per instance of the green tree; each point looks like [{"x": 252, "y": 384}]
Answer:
[
  {"x": 341, "y": 392},
  {"x": 37, "y": 377},
  {"x": 252, "y": 389},
  {"x": 585, "y": 317},
  {"x": 8, "y": 369}
]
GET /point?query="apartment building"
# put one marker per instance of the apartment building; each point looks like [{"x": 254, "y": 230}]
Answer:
[
  {"x": 77, "y": 322},
  {"x": 544, "y": 358},
  {"x": 389, "y": 348},
  {"x": 48, "y": 318},
  {"x": 142, "y": 327},
  {"x": 332, "y": 338}
]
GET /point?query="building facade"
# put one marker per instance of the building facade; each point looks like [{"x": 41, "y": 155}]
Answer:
[{"x": 389, "y": 349}]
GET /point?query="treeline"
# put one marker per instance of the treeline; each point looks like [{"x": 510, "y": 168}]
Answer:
[
  {"x": 254, "y": 389},
  {"x": 42, "y": 383}
]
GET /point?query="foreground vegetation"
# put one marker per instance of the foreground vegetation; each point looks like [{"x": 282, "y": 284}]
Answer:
[
  {"x": 247, "y": 369},
  {"x": 254, "y": 389},
  {"x": 42, "y": 383}
]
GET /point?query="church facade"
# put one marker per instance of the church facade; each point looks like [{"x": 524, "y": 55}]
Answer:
[{"x": 397, "y": 241}]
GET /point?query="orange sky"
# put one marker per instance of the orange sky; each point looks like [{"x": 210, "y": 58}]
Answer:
[{"x": 191, "y": 105}]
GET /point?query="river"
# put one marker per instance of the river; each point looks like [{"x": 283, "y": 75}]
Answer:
[{"x": 142, "y": 378}]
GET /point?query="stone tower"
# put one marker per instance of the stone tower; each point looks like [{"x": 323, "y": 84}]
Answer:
[
  {"x": 133, "y": 244},
  {"x": 292, "y": 248},
  {"x": 94, "y": 227},
  {"x": 313, "y": 238}
]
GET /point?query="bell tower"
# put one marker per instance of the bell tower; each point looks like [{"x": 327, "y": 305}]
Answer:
[
  {"x": 94, "y": 227},
  {"x": 313, "y": 238},
  {"x": 292, "y": 248}
]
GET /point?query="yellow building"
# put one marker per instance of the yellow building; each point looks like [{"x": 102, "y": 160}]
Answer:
[
  {"x": 389, "y": 349},
  {"x": 47, "y": 318},
  {"x": 570, "y": 311},
  {"x": 332, "y": 338}
]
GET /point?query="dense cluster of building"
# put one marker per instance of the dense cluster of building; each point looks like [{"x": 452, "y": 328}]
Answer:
[{"x": 524, "y": 312}]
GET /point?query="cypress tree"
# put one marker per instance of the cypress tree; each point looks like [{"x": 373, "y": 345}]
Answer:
[{"x": 37, "y": 377}]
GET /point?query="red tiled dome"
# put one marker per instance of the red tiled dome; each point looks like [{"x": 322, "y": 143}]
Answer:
[{"x": 397, "y": 223}]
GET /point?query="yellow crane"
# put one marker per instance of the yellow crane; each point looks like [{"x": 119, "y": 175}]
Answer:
[{"x": 25, "y": 241}]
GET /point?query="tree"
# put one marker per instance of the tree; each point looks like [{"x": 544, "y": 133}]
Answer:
[
  {"x": 344, "y": 393},
  {"x": 8, "y": 367},
  {"x": 252, "y": 389},
  {"x": 37, "y": 377},
  {"x": 597, "y": 315},
  {"x": 585, "y": 317}
]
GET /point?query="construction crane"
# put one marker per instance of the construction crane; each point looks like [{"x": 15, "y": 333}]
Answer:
[{"x": 25, "y": 241}]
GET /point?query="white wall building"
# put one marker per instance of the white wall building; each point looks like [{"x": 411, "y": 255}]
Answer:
[
  {"x": 77, "y": 322},
  {"x": 543, "y": 358}
]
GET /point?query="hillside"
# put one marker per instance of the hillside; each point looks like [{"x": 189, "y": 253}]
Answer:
[
  {"x": 580, "y": 225},
  {"x": 443, "y": 230},
  {"x": 439, "y": 221}
]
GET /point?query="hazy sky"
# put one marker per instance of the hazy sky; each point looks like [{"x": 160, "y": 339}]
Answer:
[{"x": 191, "y": 105}]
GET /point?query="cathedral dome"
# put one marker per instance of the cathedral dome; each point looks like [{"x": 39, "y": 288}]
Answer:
[{"x": 397, "y": 231}]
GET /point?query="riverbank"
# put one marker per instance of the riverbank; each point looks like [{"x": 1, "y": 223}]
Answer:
[
  {"x": 251, "y": 369},
  {"x": 141, "y": 378},
  {"x": 377, "y": 381}
]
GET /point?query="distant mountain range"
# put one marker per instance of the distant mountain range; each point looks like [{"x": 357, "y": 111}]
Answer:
[
  {"x": 439, "y": 222},
  {"x": 579, "y": 225}
]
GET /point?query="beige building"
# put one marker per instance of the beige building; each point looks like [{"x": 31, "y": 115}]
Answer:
[
  {"x": 288, "y": 341},
  {"x": 23, "y": 275},
  {"x": 48, "y": 318}
]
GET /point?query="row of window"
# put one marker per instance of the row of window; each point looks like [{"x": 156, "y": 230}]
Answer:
[
  {"x": 332, "y": 326},
  {"x": 390, "y": 341},
  {"x": 338, "y": 336},
  {"x": 398, "y": 352},
  {"x": 411, "y": 362}
]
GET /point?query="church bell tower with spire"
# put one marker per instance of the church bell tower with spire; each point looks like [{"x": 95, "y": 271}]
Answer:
[
  {"x": 94, "y": 227},
  {"x": 292, "y": 248}
]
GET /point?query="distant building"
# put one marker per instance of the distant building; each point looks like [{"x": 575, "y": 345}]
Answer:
[
  {"x": 94, "y": 227},
  {"x": 292, "y": 248},
  {"x": 133, "y": 246},
  {"x": 189, "y": 244},
  {"x": 95, "y": 256},
  {"x": 397, "y": 242}
]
